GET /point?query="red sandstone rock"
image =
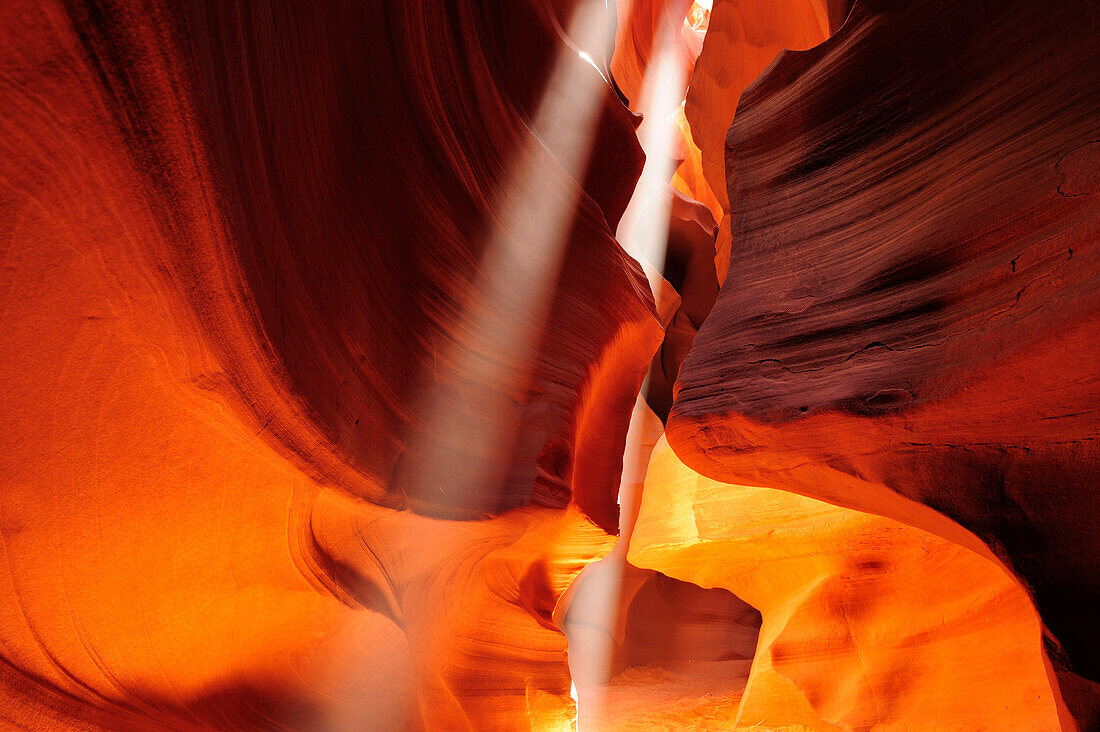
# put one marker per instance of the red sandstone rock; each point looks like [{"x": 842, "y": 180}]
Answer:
[
  {"x": 244, "y": 274},
  {"x": 743, "y": 38},
  {"x": 911, "y": 305},
  {"x": 238, "y": 240},
  {"x": 866, "y": 621},
  {"x": 637, "y": 29}
]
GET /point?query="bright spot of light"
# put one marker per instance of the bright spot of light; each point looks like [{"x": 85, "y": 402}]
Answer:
[
  {"x": 593, "y": 617},
  {"x": 643, "y": 229},
  {"x": 455, "y": 455},
  {"x": 585, "y": 57},
  {"x": 576, "y": 705}
]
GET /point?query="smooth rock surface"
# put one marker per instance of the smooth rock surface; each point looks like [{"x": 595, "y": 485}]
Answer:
[{"x": 911, "y": 303}]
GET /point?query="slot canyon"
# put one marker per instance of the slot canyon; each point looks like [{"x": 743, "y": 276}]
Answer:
[{"x": 550, "y": 365}]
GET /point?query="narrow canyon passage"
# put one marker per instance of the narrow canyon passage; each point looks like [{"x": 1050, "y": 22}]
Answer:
[{"x": 549, "y": 365}]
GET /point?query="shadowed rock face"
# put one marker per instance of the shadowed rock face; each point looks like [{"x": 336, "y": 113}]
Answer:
[
  {"x": 364, "y": 150},
  {"x": 866, "y": 621},
  {"x": 239, "y": 244},
  {"x": 313, "y": 417},
  {"x": 744, "y": 37},
  {"x": 912, "y": 293}
]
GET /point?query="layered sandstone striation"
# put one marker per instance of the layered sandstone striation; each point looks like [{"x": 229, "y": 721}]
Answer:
[
  {"x": 910, "y": 311},
  {"x": 319, "y": 357},
  {"x": 239, "y": 241},
  {"x": 867, "y": 622}
]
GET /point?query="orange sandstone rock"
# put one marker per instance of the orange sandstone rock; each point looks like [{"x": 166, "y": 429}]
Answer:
[
  {"x": 910, "y": 311},
  {"x": 236, "y": 239},
  {"x": 867, "y": 622},
  {"x": 743, "y": 38}
]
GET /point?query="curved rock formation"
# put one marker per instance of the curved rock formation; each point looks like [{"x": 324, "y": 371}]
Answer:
[
  {"x": 866, "y": 621},
  {"x": 324, "y": 374},
  {"x": 911, "y": 302},
  {"x": 237, "y": 251},
  {"x": 742, "y": 40}
]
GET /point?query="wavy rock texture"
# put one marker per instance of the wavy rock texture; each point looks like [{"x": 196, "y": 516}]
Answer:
[
  {"x": 339, "y": 122},
  {"x": 858, "y": 631},
  {"x": 689, "y": 268},
  {"x": 237, "y": 241},
  {"x": 636, "y": 29},
  {"x": 910, "y": 309},
  {"x": 314, "y": 416},
  {"x": 743, "y": 38}
]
